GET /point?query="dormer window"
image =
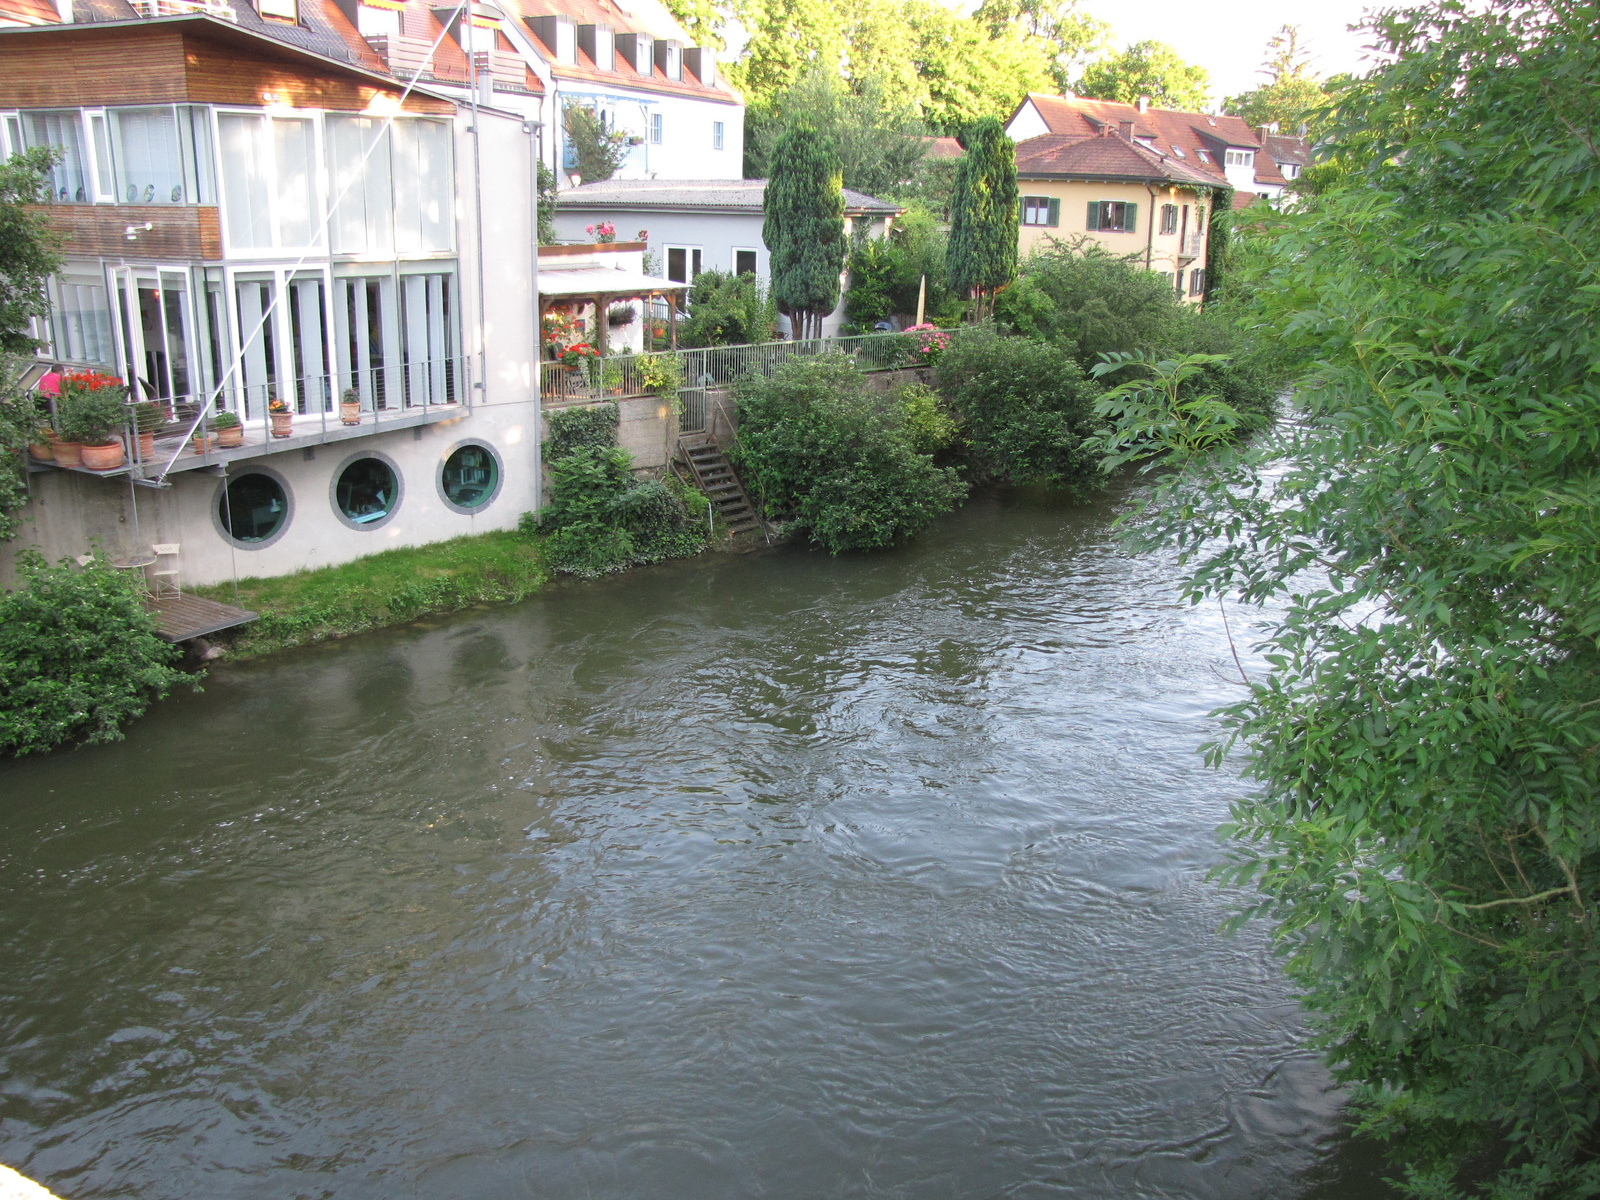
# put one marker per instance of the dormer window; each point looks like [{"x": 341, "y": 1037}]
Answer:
[
  {"x": 703, "y": 62},
  {"x": 600, "y": 44},
  {"x": 669, "y": 57},
  {"x": 1240, "y": 158},
  {"x": 560, "y": 36},
  {"x": 280, "y": 10},
  {"x": 1178, "y": 150},
  {"x": 638, "y": 50},
  {"x": 1203, "y": 156}
]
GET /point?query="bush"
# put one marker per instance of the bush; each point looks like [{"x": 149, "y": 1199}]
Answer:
[
  {"x": 600, "y": 519},
  {"x": 574, "y": 428},
  {"x": 1025, "y": 410},
  {"x": 78, "y": 657},
  {"x": 887, "y": 273},
  {"x": 843, "y": 463},
  {"x": 929, "y": 427},
  {"x": 727, "y": 310}
]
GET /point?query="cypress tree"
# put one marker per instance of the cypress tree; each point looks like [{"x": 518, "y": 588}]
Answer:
[
  {"x": 982, "y": 254},
  {"x": 803, "y": 229}
]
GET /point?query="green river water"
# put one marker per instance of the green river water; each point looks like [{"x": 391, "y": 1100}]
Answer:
[{"x": 773, "y": 875}]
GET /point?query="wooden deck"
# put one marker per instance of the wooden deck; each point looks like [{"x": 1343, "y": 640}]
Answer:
[{"x": 179, "y": 618}]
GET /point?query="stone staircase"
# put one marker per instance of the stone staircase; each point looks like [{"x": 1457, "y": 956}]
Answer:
[{"x": 708, "y": 470}]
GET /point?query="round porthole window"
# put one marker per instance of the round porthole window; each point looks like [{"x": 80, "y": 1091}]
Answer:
[
  {"x": 469, "y": 477},
  {"x": 253, "y": 509},
  {"x": 366, "y": 491}
]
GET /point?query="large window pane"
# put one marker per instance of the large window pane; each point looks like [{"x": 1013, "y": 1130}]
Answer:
[
  {"x": 69, "y": 179},
  {"x": 358, "y": 161},
  {"x": 294, "y": 142},
  {"x": 149, "y": 162},
  {"x": 80, "y": 314},
  {"x": 428, "y": 330},
  {"x": 246, "y": 180},
  {"x": 258, "y": 338},
  {"x": 424, "y": 186}
]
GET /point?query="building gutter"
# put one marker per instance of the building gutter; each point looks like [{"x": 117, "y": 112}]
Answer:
[
  {"x": 532, "y": 130},
  {"x": 1150, "y": 234}
]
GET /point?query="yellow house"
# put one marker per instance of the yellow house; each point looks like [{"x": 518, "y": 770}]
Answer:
[{"x": 1132, "y": 200}]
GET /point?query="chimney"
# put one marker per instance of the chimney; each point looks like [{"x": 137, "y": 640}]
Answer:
[
  {"x": 1143, "y": 104},
  {"x": 1125, "y": 128}
]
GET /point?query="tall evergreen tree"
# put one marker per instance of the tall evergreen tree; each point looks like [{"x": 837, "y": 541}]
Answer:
[
  {"x": 983, "y": 217},
  {"x": 804, "y": 229}
]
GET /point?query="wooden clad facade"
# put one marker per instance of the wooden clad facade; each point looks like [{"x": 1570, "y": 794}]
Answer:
[
  {"x": 183, "y": 60},
  {"x": 191, "y": 232}
]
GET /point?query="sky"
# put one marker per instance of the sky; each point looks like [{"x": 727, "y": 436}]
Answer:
[{"x": 1229, "y": 40}]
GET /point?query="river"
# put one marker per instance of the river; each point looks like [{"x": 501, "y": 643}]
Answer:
[{"x": 770, "y": 875}]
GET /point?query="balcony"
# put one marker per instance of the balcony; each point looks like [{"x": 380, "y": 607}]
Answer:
[
  {"x": 219, "y": 9},
  {"x": 1193, "y": 246},
  {"x": 405, "y": 56},
  {"x": 510, "y": 75}
]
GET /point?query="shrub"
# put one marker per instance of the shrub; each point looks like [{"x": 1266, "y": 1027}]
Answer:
[
  {"x": 662, "y": 374},
  {"x": 573, "y": 428},
  {"x": 929, "y": 427},
  {"x": 78, "y": 657},
  {"x": 1025, "y": 408},
  {"x": 822, "y": 450},
  {"x": 727, "y": 310},
  {"x": 91, "y": 408}
]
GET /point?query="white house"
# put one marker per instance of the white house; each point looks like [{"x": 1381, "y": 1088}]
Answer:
[
  {"x": 700, "y": 225},
  {"x": 250, "y": 224}
]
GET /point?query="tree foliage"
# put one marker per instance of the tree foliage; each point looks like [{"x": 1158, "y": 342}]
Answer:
[
  {"x": 886, "y": 274},
  {"x": 79, "y": 656},
  {"x": 983, "y": 216},
  {"x": 803, "y": 229},
  {"x": 1075, "y": 35},
  {"x": 1292, "y": 95},
  {"x": 850, "y": 467},
  {"x": 727, "y": 310},
  {"x": 595, "y": 152},
  {"x": 21, "y": 416},
  {"x": 1150, "y": 69},
  {"x": 1426, "y": 833},
  {"x": 28, "y": 255}
]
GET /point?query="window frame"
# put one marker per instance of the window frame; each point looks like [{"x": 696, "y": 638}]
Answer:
[
  {"x": 693, "y": 260},
  {"x": 1239, "y": 158},
  {"x": 253, "y": 468},
  {"x": 1100, "y": 211},
  {"x": 718, "y": 135},
  {"x": 1033, "y": 206},
  {"x": 318, "y": 246},
  {"x": 477, "y": 443},
  {"x": 755, "y": 256},
  {"x": 1169, "y": 219},
  {"x": 345, "y": 464},
  {"x": 657, "y": 125}
]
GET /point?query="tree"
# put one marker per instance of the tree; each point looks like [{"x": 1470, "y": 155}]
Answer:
[
  {"x": 968, "y": 75},
  {"x": 789, "y": 38},
  {"x": 880, "y": 146},
  {"x": 546, "y": 201},
  {"x": 705, "y": 20},
  {"x": 727, "y": 310},
  {"x": 1073, "y": 36},
  {"x": 594, "y": 152},
  {"x": 1291, "y": 95},
  {"x": 1150, "y": 69},
  {"x": 983, "y": 217},
  {"x": 803, "y": 228},
  {"x": 1424, "y": 824},
  {"x": 28, "y": 255}
]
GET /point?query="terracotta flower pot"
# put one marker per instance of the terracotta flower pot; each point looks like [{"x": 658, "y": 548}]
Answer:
[
  {"x": 230, "y": 436},
  {"x": 147, "y": 447},
  {"x": 105, "y": 457},
  {"x": 203, "y": 442},
  {"x": 41, "y": 452},
  {"x": 67, "y": 454},
  {"x": 349, "y": 413},
  {"x": 281, "y": 424}
]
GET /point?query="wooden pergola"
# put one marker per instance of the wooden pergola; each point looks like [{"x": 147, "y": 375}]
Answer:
[{"x": 604, "y": 286}]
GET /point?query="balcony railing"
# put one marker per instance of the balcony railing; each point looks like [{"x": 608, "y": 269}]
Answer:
[
  {"x": 701, "y": 370},
  {"x": 1194, "y": 245},
  {"x": 385, "y": 398},
  {"x": 220, "y": 9}
]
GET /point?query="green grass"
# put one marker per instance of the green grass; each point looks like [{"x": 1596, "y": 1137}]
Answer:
[{"x": 382, "y": 589}]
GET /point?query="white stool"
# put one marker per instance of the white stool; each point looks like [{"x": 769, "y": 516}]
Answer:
[{"x": 164, "y": 580}]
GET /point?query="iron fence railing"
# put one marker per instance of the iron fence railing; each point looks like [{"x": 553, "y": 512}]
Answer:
[{"x": 622, "y": 376}]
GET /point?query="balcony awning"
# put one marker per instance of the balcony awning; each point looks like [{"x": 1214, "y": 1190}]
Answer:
[{"x": 603, "y": 281}]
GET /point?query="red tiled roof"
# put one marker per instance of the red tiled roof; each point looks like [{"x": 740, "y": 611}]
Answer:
[
  {"x": 1094, "y": 157},
  {"x": 29, "y": 12},
  {"x": 1168, "y": 130},
  {"x": 944, "y": 147}
]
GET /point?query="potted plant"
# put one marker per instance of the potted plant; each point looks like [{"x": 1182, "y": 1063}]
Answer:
[
  {"x": 147, "y": 418},
  {"x": 350, "y": 407},
  {"x": 281, "y": 415},
  {"x": 230, "y": 432},
  {"x": 621, "y": 314},
  {"x": 576, "y": 356},
  {"x": 90, "y": 414},
  {"x": 40, "y": 446},
  {"x": 203, "y": 441}
]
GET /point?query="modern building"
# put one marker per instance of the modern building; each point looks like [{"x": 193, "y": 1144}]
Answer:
[
  {"x": 702, "y": 225},
  {"x": 250, "y": 224},
  {"x": 1128, "y": 198},
  {"x": 629, "y": 61},
  {"x": 1222, "y": 149}
]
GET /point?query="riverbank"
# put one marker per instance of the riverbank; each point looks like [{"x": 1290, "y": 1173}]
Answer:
[{"x": 388, "y": 588}]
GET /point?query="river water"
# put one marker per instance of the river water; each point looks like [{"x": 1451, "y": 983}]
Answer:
[{"x": 773, "y": 875}]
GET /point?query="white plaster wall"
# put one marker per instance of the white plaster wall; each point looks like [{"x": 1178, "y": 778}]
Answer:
[{"x": 1026, "y": 124}]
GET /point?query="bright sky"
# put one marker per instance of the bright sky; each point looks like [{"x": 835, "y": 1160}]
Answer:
[{"x": 1230, "y": 39}]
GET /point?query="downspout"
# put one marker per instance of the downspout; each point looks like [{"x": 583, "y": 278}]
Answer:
[
  {"x": 1150, "y": 234},
  {"x": 482, "y": 382},
  {"x": 532, "y": 130}
]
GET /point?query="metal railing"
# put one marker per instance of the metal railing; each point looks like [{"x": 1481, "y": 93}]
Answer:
[{"x": 703, "y": 369}]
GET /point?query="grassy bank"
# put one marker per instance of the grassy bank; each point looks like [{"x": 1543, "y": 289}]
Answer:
[{"x": 382, "y": 589}]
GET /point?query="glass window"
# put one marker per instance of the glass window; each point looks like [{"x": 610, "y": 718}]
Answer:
[
  {"x": 744, "y": 262},
  {"x": 80, "y": 315},
  {"x": 1041, "y": 210},
  {"x": 470, "y": 477},
  {"x": 269, "y": 181},
  {"x": 69, "y": 178},
  {"x": 678, "y": 264},
  {"x": 149, "y": 159},
  {"x": 366, "y": 491},
  {"x": 655, "y": 129},
  {"x": 1169, "y": 218},
  {"x": 424, "y": 186},
  {"x": 358, "y": 169},
  {"x": 1113, "y": 216},
  {"x": 716, "y": 135},
  {"x": 252, "y": 508}
]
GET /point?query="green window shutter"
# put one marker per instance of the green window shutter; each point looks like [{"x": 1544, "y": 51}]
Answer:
[
  {"x": 1130, "y": 220},
  {"x": 1094, "y": 215},
  {"x": 1055, "y": 213}
]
